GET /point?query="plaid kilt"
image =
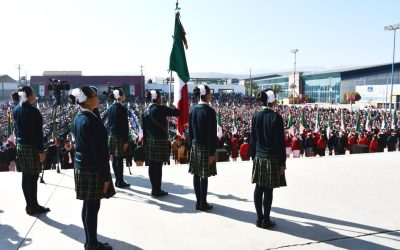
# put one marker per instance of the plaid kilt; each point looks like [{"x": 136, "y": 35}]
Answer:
[
  {"x": 266, "y": 172},
  {"x": 28, "y": 159},
  {"x": 157, "y": 149},
  {"x": 89, "y": 185},
  {"x": 115, "y": 146},
  {"x": 198, "y": 163}
]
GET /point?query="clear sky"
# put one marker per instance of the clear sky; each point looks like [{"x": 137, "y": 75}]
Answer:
[{"x": 106, "y": 37}]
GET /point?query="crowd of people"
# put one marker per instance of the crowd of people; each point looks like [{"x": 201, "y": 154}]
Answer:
[{"x": 339, "y": 130}]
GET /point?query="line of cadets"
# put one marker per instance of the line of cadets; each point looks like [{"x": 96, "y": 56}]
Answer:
[{"x": 94, "y": 144}]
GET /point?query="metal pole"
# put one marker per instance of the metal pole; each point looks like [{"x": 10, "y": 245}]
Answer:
[
  {"x": 169, "y": 96},
  {"x": 391, "y": 80},
  {"x": 251, "y": 87},
  {"x": 294, "y": 76}
]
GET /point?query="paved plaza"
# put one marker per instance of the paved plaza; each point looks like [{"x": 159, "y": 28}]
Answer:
[{"x": 341, "y": 202}]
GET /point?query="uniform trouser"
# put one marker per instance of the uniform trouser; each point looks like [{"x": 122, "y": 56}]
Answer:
[
  {"x": 90, "y": 210},
  {"x": 118, "y": 167},
  {"x": 29, "y": 187},
  {"x": 200, "y": 188},
  {"x": 155, "y": 175},
  {"x": 259, "y": 192}
]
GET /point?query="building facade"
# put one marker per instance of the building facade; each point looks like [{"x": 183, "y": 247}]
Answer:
[
  {"x": 7, "y": 86},
  {"x": 373, "y": 83},
  {"x": 132, "y": 85}
]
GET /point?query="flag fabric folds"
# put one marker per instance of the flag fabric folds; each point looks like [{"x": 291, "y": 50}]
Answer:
[
  {"x": 358, "y": 126},
  {"x": 234, "y": 125},
  {"x": 317, "y": 123},
  {"x": 302, "y": 121},
  {"x": 394, "y": 120},
  {"x": 219, "y": 126},
  {"x": 342, "y": 126},
  {"x": 177, "y": 63}
]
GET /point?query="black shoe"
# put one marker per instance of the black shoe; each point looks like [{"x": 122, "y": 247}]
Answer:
[
  {"x": 197, "y": 206},
  {"x": 205, "y": 207},
  {"x": 259, "y": 223},
  {"x": 159, "y": 193},
  {"x": 268, "y": 224},
  {"x": 30, "y": 211},
  {"x": 122, "y": 184},
  {"x": 99, "y": 246},
  {"x": 41, "y": 210}
]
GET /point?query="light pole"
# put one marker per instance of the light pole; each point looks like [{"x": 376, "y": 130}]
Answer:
[
  {"x": 293, "y": 86},
  {"x": 393, "y": 27}
]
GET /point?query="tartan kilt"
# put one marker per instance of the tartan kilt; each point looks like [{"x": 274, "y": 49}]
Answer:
[
  {"x": 266, "y": 172},
  {"x": 115, "y": 146},
  {"x": 28, "y": 161},
  {"x": 198, "y": 163},
  {"x": 157, "y": 149},
  {"x": 89, "y": 186}
]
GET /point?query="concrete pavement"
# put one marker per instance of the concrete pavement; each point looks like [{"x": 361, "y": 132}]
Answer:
[{"x": 340, "y": 202}]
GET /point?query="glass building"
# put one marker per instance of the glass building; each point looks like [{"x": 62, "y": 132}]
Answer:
[{"x": 332, "y": 86}]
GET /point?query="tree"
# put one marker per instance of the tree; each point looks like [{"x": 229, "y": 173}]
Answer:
[
  {"x": 277, "y": 89},
  {"x": 251, "y": 88}
]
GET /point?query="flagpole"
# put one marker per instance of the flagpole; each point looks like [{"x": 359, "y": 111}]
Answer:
[{"x": 170, "y": 84}]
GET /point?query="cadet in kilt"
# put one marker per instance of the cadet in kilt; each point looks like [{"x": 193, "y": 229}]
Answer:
[
  {"x": 91, "y": 167},
  {"x": 155, "y": 135},
  {"x": 203, "y": 142},
  {"x": 118, "y": 134},
  {"x": 28, "y": 128},
  {"x": 269, "y": 156}
]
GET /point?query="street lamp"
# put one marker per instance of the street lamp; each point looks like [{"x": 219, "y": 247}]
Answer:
[
  {"x": 393, "y": 27},
  {"x": 293, "y": 86}
]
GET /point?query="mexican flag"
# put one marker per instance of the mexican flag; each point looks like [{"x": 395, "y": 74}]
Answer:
[
  {"x": 358, "y": 126},
  {"x": 367, "y": 123},
  {"x": 317, "y": 123},
  {"x": 10, "y": 132},
  {"x": 290, "y": 123},
  {"x": 383, "y": 125},
  {"x": 234, "y": 125},
  {"x": 342, "y": 127},
  {"x": 219, "y": 127},
  {"x": 329, "y": 129},
  {"x": 302, "y": 121},
  {"x": 177, "y": 63},
  {"x": 394, "y": 120}
]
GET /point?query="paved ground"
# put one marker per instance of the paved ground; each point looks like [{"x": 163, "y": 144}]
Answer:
[{"x": 341, "y": 202}]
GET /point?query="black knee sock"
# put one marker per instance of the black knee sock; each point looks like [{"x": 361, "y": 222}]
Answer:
[
  {"x": 120, "y": 165},
  {"x": 83, "y": 215},
  {"x": 34, "y": 188},
  {"x": 25, "y": 189},
  {"x": 196, "y": 185},
  {"x": 258, "y": 195},
  {"x": 159, "y": 176},
  {"x": 268, "y": 196},
  {"x": 115, "y": 160},
  {"x": 203, "y": 190},
  {"x": 90, "y": 220},
  {"x": 151, "y": 175}
]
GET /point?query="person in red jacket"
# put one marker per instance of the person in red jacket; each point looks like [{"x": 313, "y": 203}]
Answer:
[
  {"x": 321, "y": 145},
  {"x": 363, "y": 140},
  {"x": 288, "y": 144},
  {"x": 351, "y": 142},
  {"x": 373, "y": 146},
  {"x": 244, "y": 150},
  {"x": 296, "y": 146}
]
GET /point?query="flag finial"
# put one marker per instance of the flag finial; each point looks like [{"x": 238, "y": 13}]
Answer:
[{"x": 177, "y": 6}]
